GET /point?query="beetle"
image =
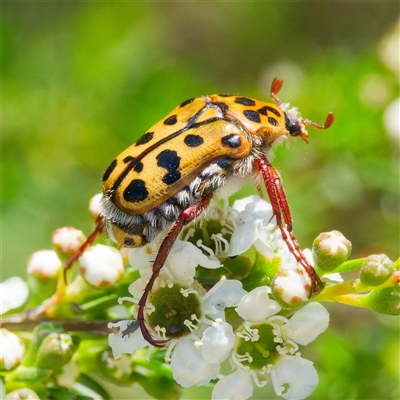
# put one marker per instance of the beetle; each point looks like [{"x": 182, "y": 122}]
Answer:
[{"x": 171, "y": 173}]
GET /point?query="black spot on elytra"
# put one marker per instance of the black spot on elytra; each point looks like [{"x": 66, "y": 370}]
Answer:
[
  {"x": 263, "y": 110},
  {"x": 186, "y": 102},
  {"x": 136, "y": 191},
  {"x": 169, "y": 160},
  {"x": 231, "y": 140},
  {"x": 129, "y": 242},
  {"x": 272, "y": 121},
  {"x": 223, "y": 106},
  {"x": 273, "y": 110},
  {"x": 225, "y": 95},
  {"x": 245, "y": 101},
  {"x": 128, "y": 158},
  {"x": 193, "y": 140},
  {"x": 145, "y": 138},
  {"x": 251, "y": 115},
  {"x": 138, "y": 166},
  {"x": 170, "y": 120},
  {"x": 109, "y": 170}
]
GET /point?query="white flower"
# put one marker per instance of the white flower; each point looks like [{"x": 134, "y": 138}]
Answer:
[
  {"x": 44, "y": 264},
  {"x": 14, "y": 293},
  {"x": 12, "y": 350},
  {"x": 267, "y": 350},
  {"x": 101, "y": 265},
  {"x": 195, "y": 357}
]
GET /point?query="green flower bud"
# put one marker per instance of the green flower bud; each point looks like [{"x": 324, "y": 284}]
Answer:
[
  {"x": 376, "y": 270},
  {"x": 22, "y": 394},
  {"x": 384, "y": 301},
  {"x": 56, "y": 350},
  {"x": 330, "y": 249}
]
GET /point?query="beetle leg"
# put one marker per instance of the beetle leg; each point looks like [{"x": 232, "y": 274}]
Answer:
[
  {"x": 280, "y": 208},
  {"x": 89, "y": 241},
  {"x": 184, "y": 218}
]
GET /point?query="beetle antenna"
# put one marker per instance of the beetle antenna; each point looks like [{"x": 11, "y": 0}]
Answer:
[
  {"x": 275, "y": 88},
  {"x": 328, "y": 122}
]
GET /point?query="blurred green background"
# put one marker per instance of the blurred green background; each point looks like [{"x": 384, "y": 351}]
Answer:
[{"x": 82, "y": 81}]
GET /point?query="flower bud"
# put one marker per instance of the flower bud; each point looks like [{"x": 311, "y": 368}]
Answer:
[
  {"x": 44, "y": 264},
  {"x": 384, "y": 301},
  {"x": 101, "y": 266},
  {"x": 22, "y": 394},
  {"x": 14, "y": 293},
  {"x": 68, "y": 240},
  {"x": 12, "y": 350},
  {"x": 95, "y": 205},
  {"x": 376, "y": 270},
  {"x": 330, "y": 249},
  {"x": 56, "y": 350},
  {"x": 291, "y": 288}
]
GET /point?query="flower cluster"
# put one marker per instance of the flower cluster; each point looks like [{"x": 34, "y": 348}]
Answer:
[
  {"x": 230, "y": 297},
  {"x": 228, "y": 319}
]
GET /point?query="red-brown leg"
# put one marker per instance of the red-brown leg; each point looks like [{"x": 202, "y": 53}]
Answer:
[
  {"x": 184, "y": 218},
  {"x": 280, "y": 208},
  {"x": 89, "y": 241}
]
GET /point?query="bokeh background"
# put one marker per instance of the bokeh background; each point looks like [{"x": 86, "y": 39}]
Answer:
[{"x": 82, "y": 81}]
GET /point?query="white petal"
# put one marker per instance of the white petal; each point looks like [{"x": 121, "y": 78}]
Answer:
[
  {"x": 243, "y": 238},
  {"x": 307, "y": 323},
  {"x": 297, "y": 373},
  {"x": 335, "y": 278},
  {"x": 14, "y": 293},
  {"x": 185, "y": 257},
  {"x": 137, "y": 287},
  {"x": 69, "y": 374},
  {"x": 188, "y": 366},
  {"x": 130, "y": 343},
  {"x": 253, "y": 208},
  {"x": 140, "y": 258},
  {"x": 217, "y": 342},
  {"x": 226, "y": 293},
  {"x": 256, "y": 306},
  {"x": 236, "y": 386}
]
